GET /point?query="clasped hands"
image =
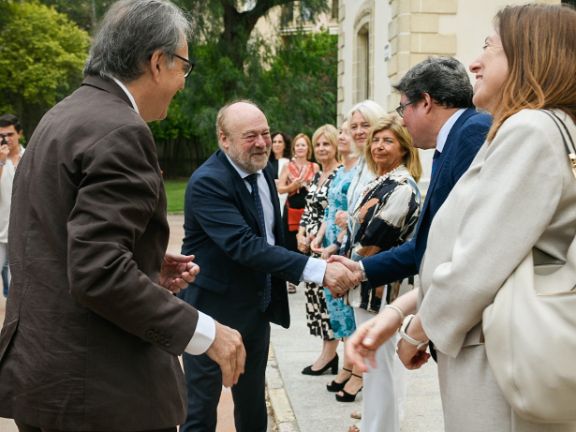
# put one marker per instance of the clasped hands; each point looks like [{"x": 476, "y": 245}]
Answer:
[
  {"x": 342, "y": 274},
  {"x": 362, "y": 346}
]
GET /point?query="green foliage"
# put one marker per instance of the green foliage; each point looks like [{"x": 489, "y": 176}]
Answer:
[
  {"x": 41, "y": 58},
  {"x": 301, "y": 83},
  {"x": 296, "y": 90},
  {"x": 85, "y": 13},
  {"x": 175, "y": 190}
]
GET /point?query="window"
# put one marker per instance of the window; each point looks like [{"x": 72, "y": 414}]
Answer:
[
  {"x": 335, "y": 10},
  {"x": 362, "y": 64}
]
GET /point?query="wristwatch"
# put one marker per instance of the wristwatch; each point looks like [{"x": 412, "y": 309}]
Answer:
[{"x": 420, "y": 345}]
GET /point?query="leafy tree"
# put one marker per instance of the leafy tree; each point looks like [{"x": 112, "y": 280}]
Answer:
[
  {"x": 41, "y": 58},
  {"x": 228, "y": 24},
  {"x": 296, "y": 90},
  {"x": 232, "y": 64},
  {"x": 85, "y": 13},
  {"x": 300, "y": 85}
]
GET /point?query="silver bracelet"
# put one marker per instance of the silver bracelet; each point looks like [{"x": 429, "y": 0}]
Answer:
[
  {"x": 397, "y": 309},
  {"x": 2, "y": 163}
]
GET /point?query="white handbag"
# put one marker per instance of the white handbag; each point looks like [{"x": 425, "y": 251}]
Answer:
[{"x": 530, "y": 336}]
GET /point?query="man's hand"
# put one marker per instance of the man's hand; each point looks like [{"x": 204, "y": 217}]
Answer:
[
  {"x": 177, "y": 272},
  {"x": 352, "y": 266},
  {"x": 338, "y": 279},
  {"x": 4, "y": 152},
  {"x": 228, "y": 351}
]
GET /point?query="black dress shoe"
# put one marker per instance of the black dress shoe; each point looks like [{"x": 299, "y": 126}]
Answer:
[
  {"x": 336, "y": 386},
  {"x": 332, "y": 364}
]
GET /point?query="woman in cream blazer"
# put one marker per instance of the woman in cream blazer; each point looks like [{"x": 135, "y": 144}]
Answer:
[{"x": 519, "y": 194}]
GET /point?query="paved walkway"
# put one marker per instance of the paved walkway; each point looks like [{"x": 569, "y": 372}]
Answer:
[
  {"x": 306, "y": 406},
  {"x": 300, "y": 403}
]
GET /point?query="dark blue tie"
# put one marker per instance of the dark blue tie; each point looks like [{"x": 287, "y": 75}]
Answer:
[
  {"x": 435, "y": 163},
  {"x": 253, "y": 180}
]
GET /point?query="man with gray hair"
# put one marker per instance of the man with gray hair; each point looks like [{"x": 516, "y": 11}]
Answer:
[{"x": 93, "y": 331}]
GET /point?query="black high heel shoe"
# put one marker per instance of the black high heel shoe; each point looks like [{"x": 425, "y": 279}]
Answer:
[
  {"x": 332, "y": 364},
  {"x": 348, "y": 397},
  {"x": 336, "y": 386}
]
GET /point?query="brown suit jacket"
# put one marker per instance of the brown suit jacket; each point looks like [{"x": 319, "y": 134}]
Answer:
[{"x": 90, "y": 341}]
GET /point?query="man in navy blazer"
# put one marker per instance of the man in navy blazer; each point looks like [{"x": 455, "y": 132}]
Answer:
[
  {"x": 436, "y": 105},
  {"x": 233, "y": 226}
]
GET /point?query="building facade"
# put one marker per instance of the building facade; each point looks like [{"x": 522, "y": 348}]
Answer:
[{"x": 379, "y": 40}]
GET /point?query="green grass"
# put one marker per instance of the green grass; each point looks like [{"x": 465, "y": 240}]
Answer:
[{"x": 175, "y": 195}]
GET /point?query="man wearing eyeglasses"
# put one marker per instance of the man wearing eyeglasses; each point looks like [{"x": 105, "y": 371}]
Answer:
[
  {"x": 233, "y": 225},
  {"x": 436, "y": 106},
  {"x": 10, "y": 153},
  {"x": 93, "y": 330}
]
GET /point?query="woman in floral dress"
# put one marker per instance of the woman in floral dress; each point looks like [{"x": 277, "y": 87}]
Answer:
[{"x": 325, "y": 146}]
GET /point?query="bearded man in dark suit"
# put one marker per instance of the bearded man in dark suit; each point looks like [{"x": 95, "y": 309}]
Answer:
[
  {"x": 233, "y": 224},
  {"x": 92, "y": 329}
]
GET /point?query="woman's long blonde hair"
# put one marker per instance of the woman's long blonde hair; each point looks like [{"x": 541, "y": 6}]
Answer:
[{"x": 540, "y": 44}]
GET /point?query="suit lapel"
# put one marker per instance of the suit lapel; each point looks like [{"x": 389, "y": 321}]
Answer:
[
  {"x": 450, "y": 142},
  {"x": 245, "y": 200}
]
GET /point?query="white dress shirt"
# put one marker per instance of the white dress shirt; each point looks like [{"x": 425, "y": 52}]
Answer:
[{"x": 315, "y": 268}]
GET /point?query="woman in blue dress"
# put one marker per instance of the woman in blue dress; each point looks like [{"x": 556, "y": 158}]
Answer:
[{"x": 328, "y": 243}]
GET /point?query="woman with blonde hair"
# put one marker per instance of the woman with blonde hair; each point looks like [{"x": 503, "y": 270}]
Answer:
[
  {"x": 518, "y": 197},
  {"x": 328, "y": 242},
  {"x": 325, "y": 146},
  {"x": 384, "y": 217}
]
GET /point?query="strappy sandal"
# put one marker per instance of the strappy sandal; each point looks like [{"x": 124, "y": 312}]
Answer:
[
  {"x": 353, "y": 428},
  {"x": 335, "y": 386},
  {"x": 348, "y": 397},
  {"x": 291, "y": 288}
]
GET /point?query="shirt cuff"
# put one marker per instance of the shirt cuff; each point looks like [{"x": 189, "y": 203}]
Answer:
[
  {"x": 314, "y": 271},
  {"x": 364, "y": 277},
  {"x": 203, "y": 335}
]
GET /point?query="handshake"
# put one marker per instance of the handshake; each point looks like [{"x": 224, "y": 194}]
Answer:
[{"x": 342, "y": 274}]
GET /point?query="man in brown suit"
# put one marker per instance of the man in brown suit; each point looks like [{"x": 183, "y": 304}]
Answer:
[{"x": 92, "y": 329}]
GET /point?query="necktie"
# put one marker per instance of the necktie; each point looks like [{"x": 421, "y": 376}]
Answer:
[
  {"x": 253, "y": 180},
  {"x": 435, "y": 163}
]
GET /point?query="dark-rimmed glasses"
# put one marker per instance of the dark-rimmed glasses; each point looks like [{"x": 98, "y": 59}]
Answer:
[
  {"x": 189, "y": 67},
  {"x": 402, "y": 107}
]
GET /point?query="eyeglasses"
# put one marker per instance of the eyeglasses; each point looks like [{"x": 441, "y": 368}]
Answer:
[
  {"x": 402, "y": 107},
  {"x": 189, "y": 67}
]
